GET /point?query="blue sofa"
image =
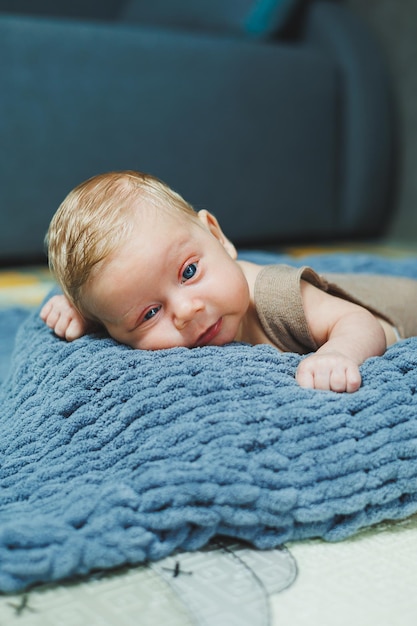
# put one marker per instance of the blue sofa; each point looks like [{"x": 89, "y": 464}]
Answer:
[{"x": 276, "y": 115}]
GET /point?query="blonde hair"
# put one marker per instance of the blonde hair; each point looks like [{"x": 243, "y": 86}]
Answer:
[{"x": 93, "y": 221}]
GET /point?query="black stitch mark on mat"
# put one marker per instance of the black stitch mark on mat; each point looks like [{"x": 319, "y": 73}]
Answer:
[
  {"x": 177, "y": 570},
  {"x": 22, "y": 606}
]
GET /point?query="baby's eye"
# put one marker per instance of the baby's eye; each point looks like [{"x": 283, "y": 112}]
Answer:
[
  {"x": 151, "y": 313},
  {"x": 189, "y": 271}
]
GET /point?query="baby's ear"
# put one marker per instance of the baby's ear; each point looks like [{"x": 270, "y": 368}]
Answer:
[{"x": 212, "y": 225}]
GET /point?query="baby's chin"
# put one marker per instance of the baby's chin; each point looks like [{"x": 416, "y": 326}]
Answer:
[{"x": 226, "y": 336}]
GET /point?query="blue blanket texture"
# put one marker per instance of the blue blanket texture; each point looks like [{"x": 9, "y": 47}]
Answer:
[{"x": 112, "y": 456}]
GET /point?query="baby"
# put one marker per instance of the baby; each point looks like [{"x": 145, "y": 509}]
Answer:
[{"x": 133, "y": 256}]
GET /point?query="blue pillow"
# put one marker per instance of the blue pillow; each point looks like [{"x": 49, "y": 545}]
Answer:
[{"x": 270, "y": 17}]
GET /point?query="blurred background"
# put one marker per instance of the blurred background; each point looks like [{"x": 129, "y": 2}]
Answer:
[
  {"x": 294, "y": 121},
  {"x": 395, "y": 25}
]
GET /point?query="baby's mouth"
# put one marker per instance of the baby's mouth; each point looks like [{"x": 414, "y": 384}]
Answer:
[{"x": 209, "y": 334}]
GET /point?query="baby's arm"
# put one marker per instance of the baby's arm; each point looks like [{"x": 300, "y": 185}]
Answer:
[
  {"x": 347, "y": 335},
  {"x": 64, "y": 319}
]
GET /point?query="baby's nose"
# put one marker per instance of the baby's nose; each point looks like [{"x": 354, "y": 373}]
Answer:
[{"x": 185, "y": 311}]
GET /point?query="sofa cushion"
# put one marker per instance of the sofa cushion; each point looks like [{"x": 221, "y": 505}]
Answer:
[
  {"x": 255, "y": 17},
  {"x": 222, "y": 120},
  {"x": 82, "y": 9},
  {"x": 270, "y": 17},
  {"x": 216, "y": 15}
]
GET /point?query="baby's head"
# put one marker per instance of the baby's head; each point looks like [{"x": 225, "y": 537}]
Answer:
[
  {"x": 134, "y": 256},
  {"x": 96, "y": 218}
]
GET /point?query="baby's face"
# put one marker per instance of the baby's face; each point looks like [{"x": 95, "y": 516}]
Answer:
[{"x": 174, "y": 283}]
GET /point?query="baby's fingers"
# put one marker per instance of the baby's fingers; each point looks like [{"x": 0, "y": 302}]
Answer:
[
  {"x": 46, "y": 310},
  {"x": 352, "y": 378},
  {"x": 328, "y": 373},
  {"x": 305, "y": 375},
  {"x": 50, "y": 314},
  {"x": 75, "y": 329},
  {"x": 63, "y": 318}
]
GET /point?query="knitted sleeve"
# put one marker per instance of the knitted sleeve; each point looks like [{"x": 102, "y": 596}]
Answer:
[{"x": 280, "y": 308}]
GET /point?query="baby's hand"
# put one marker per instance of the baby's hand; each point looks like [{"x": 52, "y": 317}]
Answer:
[
  {"x": 329, "y": 371},
  {"x": 64, "y": 319}
]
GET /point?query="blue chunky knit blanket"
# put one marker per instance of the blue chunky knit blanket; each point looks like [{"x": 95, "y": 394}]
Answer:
[{"x": 112, "y": 456}]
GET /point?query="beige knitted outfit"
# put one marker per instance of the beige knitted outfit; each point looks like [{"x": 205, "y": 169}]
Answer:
[{"x": 280, "y": 309}]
